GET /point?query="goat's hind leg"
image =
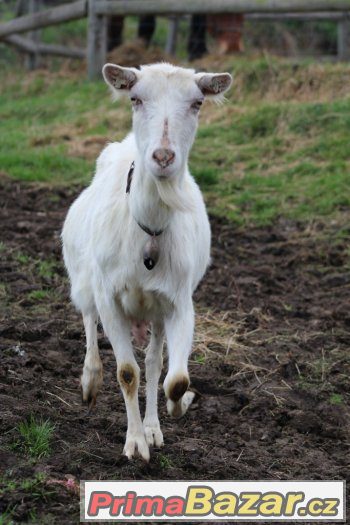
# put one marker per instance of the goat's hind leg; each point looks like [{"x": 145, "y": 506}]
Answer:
[
  {"x": 154, "y": 363},
  {"x": 92, "y": 375}
]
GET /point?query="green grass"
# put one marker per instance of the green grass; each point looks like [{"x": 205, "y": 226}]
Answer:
[
  {"x": 35, "y": 489},
  {"x": 164, "y": 462},
  {"x": 294, "y": 160},
  {"x": 34, "y": 437},
  {"x": 46, "y": 268},
  {"x": 28, "y": 149},
  {"x": 5, "y": 518},
  {"x": 28, "y": 484},
  {"x": 22, "y": 258},
  {"x": 39, "y": 295},
  {"x": 336, "y": 399},
  {"x": 265, "y": 154},
  {"x": 199, "y": 358}
]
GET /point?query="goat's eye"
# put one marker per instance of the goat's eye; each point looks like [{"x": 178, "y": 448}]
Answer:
[
  {"x": 196, "y": 105},
  {"x": 136, "y": 101}
]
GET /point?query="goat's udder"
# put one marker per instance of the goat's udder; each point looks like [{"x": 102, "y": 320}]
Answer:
[{"x": 139, "y": 331}]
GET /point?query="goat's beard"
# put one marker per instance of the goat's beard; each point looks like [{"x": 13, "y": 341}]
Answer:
[{"x": 174, "y": 194}]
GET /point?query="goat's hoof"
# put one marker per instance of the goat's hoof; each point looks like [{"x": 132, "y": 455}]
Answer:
[
  {"x": 91, "y": 381},
  {"x": 90, "y": 402},
  {"x": 153, "y": 434},
  {"x": 136, "y": 442},
  {"x": 179, "y": 408}
]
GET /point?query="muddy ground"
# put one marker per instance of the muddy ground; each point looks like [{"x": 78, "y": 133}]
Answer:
[{"x": 274, "y": 391}]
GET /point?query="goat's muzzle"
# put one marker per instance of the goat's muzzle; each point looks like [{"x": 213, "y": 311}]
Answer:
[{"x": 164, "y": 157}]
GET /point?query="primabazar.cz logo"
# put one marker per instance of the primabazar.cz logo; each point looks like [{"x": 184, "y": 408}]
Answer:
[{"x": 125, "y": 501}]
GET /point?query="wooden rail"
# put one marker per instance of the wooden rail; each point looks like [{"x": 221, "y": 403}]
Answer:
[
  {"x": 47, "y": 17},
  {"x": 31, "y": 47},
  {"x": 285, "y": 17},
  {"x": 177, "y": 7}
]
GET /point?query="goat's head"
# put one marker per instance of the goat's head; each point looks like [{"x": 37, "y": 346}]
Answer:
[{"x": 166, "y": 101}]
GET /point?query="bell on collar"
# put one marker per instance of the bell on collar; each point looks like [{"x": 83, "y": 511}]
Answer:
[{"x": 151, "y": 253}]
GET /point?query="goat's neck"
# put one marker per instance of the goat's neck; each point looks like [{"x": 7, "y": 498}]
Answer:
[{"x": 145, "y": 203}]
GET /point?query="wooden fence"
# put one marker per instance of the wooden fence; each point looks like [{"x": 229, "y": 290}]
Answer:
[{"x": 98, "y": 11}]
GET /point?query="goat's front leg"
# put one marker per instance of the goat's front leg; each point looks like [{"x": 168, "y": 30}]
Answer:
[
  {"x": 154, "y": 363},
  {"x": 117, "y": 329},
  {"x": 179, "y": 334}
]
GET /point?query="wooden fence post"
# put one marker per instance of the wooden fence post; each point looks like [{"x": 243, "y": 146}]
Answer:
[
  {"x": 96, "y": 41},
  {"x": 344, "y": 38},
  {"x": 173, "y": 28},
  {"x": 33, "y": 59}
]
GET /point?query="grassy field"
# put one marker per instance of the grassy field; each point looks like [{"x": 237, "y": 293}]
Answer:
[{"x": 277, "y": 147}]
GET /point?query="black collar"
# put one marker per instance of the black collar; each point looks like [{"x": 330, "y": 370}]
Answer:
[
  {"x": 130, "y": 174},
  {"x": 152, "y": 233}
]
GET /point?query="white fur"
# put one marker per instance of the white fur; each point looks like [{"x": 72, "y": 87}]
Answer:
[{"x": 103, "y": 244}]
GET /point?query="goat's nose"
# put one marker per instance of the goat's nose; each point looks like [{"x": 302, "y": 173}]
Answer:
[{"x": 164, "y": 156}]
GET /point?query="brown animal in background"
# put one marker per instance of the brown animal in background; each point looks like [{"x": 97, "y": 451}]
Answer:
[{"x": 227, "y": 30}]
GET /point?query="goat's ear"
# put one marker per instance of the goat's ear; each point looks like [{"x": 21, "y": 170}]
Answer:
[
  {"x": 118, "y": 77},
  {"x": 213, "y": 84}
]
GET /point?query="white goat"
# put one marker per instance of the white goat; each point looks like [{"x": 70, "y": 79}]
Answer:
[{"x": 142, "y": 203}]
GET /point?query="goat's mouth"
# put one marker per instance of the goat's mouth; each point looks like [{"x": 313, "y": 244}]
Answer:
[{"x": 163, "y": 173}]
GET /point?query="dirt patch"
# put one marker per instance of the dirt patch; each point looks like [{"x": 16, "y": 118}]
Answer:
[{"x": 270, "y": 363}]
